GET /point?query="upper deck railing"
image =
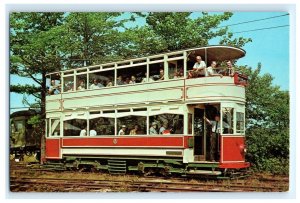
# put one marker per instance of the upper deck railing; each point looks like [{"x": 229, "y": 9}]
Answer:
[{"x": 166, "y": 66}]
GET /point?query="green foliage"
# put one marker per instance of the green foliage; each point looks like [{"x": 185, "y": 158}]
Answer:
[
  {"x": 179, "y": 31},
  {"x": 267, "y": 118},
  {"x": 35, "y": 120}
]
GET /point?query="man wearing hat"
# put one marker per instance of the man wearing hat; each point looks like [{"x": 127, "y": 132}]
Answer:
[
  {"x": 152, "y": 130},
  {"x": 122, "y": 131}
]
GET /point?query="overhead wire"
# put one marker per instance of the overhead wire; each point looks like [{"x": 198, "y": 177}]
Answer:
[{"x": 266, "y": 28}]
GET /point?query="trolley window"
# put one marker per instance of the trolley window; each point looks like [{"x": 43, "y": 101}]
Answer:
[
  {"x": 227, "y": 124},
  {"x": 54, "y": 127},
  {"x": 75, "y": 127},
  {"x": 101, "y": 79},
  {"x": 132, "y": 125},
  {"x": 68, "y": 84},
  {"x": 102, "y": 126},
  {"x": 81, "y": 82},
  {"x": 240, "y": 122},
  {"x": 166, "y": 124}
]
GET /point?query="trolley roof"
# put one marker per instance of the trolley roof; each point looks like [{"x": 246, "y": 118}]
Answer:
[{"x": 208, "y": 53}]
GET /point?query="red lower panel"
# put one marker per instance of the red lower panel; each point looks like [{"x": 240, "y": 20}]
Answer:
[
  {"x": 232, "y": 148},
  {"x": 53, "y": 148},
  {"x": 235, "y": 165},
  {"x": 124, "y": 142}
]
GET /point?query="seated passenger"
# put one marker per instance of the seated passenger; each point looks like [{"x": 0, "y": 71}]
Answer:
[
  {"x": 109, "y": 83},
  {"x": 81, "y": 85},
  {"x": 211, "y": 70},
  {"x": 161, "y": 74},
  {"x": 54, "y": 89},
  {"x": 198, "y": 68},
  {"x": 127, "y": 80},
  {"x": 69, "y": 87},
  {"x": 93, "y": 132},
  {"x": 95, "y": 85},
  {"x": 152, "y": 130},
  {"x": 120, "y": 80},
  {"x": 178, "y": 74},
  {"x": 134, "y": 130},
  {"x": 122, "y": 131},
  {"x": 133, "y": 80},
  {"x": 144, "y": 78},
  {"x": 163, "y": 128},
  {"x": 83, "y": 132}
]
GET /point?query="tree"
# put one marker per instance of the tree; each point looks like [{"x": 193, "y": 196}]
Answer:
[
  {"x": 267, "y": 118},
  {"x": 90, "y": 38},
  {"x": 33, "y": 51},
  {"x": 180, "y": 31}
]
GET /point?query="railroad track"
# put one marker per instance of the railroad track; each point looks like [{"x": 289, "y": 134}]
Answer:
[
  {"x": 21, "y": 179},
  {"x": 141, "y": 185}
]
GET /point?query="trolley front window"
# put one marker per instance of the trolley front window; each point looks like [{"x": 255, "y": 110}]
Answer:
[
  {"x": 240, "y": 122},
  {"x": 227, "y": 124}
]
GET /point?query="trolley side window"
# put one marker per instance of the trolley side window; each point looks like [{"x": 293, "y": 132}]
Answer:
[
  {"x": 54, "y": 127},
  {"x": 227, "y": 120},
  {"x": 240, "y": 122},
  {"x": 81, "y": 82},
  {"x": 75, "y": 127},
  {"x": 132, "y": 125},
  {"x": 166, "y": 124},
  {"x": 68, "y": 83},
  {"x": 102, "y": 126}
]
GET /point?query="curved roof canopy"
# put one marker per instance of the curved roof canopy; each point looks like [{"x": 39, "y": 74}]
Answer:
[
  {"x": 218, "y": 53},
  {"x": 208, "y": 53}
]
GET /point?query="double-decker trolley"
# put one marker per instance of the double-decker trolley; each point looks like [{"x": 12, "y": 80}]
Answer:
[{"x": 148, "y": 115}]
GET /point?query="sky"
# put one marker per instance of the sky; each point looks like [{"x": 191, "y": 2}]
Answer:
[{"x": 270, "y": 47}]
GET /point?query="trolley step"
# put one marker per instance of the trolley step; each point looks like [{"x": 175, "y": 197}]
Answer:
[{"x": 117, "y": 166}]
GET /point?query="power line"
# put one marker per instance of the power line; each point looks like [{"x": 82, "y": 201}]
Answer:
[
  {"x": 266, "y": 28},
  {"x": 24, "y": 107},
  {"x": 251, "y": 21}
]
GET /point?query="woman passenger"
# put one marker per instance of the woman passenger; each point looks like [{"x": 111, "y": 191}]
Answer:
[{"x": 133, "y": 80}]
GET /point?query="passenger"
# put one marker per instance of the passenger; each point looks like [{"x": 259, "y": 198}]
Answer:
[
  {"x": 134, "y": 130},
  {"x": 145, "y": 78},
  {"x": 152, "y": 130},
  {"x": 230, "y": 68},
  {"x": 81, "y": 85},
  {"x": 120, "y": 80},
  {"x": 122, "y": 131},
  {"x": 163, "y": 128},
  {"x": 133, "y": 80},
  {"x": 109, "y": 83},
  {"x": 83, "y": 132},
  {"x": 95, "y": 85},
  {"x": 100, "y": 84},
  {"x": 127, "y": 81},
  {"x": 215, "y": 133},
  {"x": 69, "y": 87},
  {"x": 198, "y": 68},
  {"x": 161, "y": 74},
  {"x": 178, "y": 74},
  {"x": 93, "y": 132},
  {"x": 53, "y": 89},
  {"x": 211, "y": 70}
]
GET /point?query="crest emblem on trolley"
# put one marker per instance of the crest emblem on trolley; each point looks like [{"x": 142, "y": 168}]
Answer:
[{"x": 115, "y": 141}]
